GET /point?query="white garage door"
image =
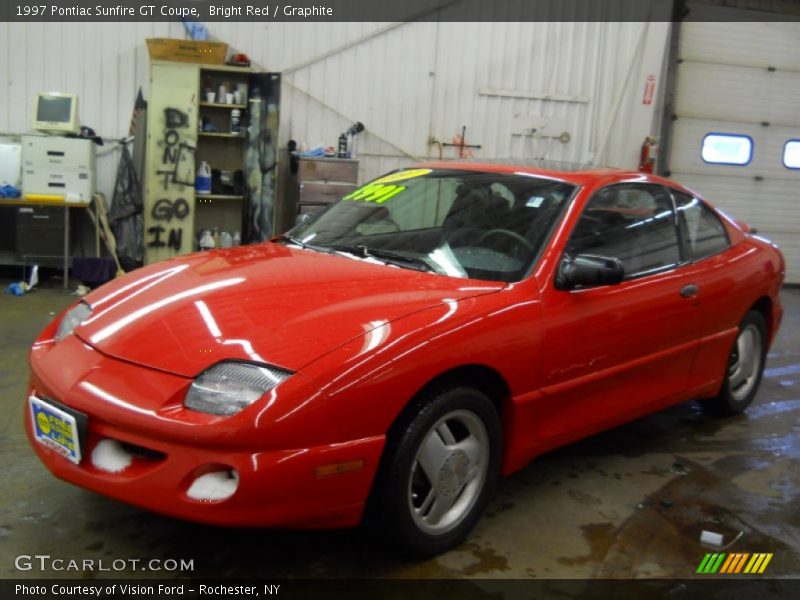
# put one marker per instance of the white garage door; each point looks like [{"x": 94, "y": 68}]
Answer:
[{"x": 739, "y": 83}]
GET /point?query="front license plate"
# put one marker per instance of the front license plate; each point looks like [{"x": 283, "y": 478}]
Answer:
[{"x": 56, "y": 429}]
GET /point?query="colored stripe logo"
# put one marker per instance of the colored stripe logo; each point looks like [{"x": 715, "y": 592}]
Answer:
[{"x": 734, "y": 563}]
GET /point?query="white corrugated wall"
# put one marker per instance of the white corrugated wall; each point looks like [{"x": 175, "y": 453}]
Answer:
[
  {"x": 103, "y": 65},
  {"x": 742, "y": 79},
  {"x": 407, "y": 82},
  {"x": 413, "y": 82}
]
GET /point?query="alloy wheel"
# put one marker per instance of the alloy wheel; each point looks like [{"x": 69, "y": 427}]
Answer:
[
  {"x": 745, "y": 362},
  {"x": 448, "y": 472}
]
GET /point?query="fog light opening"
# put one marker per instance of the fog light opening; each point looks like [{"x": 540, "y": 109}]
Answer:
[
  {"x": 214, "y": 486},
  {"x": 110, "y": 456}
]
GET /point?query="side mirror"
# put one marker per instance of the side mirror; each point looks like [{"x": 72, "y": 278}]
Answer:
[{"x": 588, "y": 270}]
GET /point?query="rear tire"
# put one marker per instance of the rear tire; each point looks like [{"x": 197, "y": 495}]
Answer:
[
  {"x": 744, "y": 369},
  {"x": 440, "y": 468}
]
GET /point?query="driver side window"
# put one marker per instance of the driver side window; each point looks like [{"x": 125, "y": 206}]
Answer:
[{"x": 632, "y": 222}]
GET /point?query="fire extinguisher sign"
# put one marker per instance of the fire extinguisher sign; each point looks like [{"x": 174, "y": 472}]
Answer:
[{"x": 649, "y": 89}]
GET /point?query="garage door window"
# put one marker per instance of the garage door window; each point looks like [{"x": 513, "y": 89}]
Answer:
[
  {"x": 632, "y": 222},
  {"x": 791, "y": 154},
  {"x": 702, "y": 232},
  {"x": 727, "y": 149}
]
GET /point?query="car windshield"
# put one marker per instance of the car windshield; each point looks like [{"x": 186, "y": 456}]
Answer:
[{"x": 459, "y": 223}]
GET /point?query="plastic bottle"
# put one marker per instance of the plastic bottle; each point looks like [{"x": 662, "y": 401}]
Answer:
[
  {"x": 225, "y": 239},
  {"x": 237, "y": 238},
  {"x": 202, "y": 181},
  {"x": 215, "y": 237},
  {"x": 236, "y": 118},
  {"x": 206, "y": 241},
  {"x": 242, "y": 89}
]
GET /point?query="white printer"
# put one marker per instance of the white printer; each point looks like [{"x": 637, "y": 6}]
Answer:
[{"x": 54, "y": 165}]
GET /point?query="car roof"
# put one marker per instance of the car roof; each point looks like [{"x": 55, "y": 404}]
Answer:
[{"x": 580, "y": 176}]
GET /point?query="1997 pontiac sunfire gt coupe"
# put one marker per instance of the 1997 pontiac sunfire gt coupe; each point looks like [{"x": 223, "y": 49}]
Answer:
[{"x": 397, "y": 352}]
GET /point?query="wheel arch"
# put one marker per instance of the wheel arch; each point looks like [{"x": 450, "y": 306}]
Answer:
[
  {"x": 764, "y": 306},
  {"x": 481, "y": 377}
]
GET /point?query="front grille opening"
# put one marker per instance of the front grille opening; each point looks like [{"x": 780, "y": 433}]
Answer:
[{"x": 142, "y": 452}]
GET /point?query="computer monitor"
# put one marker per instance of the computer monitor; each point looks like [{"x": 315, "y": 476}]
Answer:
[{"x": 54, "y": 112}]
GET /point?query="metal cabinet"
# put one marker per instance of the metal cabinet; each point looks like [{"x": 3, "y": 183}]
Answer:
[
  {"x": 322, "y": 181},
  {"x": 40, "y": 235},
  {"x": 184, "y": 127}
]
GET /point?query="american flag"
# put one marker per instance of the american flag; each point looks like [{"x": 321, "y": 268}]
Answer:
[{"x": 138, "y": 107}]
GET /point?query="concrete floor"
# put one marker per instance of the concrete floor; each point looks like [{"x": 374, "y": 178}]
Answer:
[{"x": 630, "y": 502}]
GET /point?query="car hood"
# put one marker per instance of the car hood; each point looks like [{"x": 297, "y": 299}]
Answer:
[{"x": 269, "y": 303}]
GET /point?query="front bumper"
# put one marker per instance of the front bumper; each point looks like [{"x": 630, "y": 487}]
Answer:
[{"x": 171, "y": 447}]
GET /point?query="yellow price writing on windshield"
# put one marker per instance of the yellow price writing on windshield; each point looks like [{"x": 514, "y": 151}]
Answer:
[
  {"x": 375, "y": 192},
  {"x": 402, "y": 175}
]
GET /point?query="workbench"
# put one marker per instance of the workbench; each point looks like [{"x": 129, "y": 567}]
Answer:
[{"x": 58, "y": 201}]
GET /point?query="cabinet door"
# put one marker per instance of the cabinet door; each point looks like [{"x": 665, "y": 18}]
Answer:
[
  {"x": 171, "y": 149},
  {"x": 267, "y": 215}
]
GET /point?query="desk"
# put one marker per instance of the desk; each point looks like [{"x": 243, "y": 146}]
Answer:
[{"x": 55, "y": 201}]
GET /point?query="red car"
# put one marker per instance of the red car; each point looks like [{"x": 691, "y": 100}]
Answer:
[{"x": 396, "y": 353}]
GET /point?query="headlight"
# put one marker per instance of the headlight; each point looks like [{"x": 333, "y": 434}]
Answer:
[
  {"x": 71, "y": 319},
  {"x": 229, "y": 387}
]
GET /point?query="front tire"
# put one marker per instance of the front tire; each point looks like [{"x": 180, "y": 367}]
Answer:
[
  {"x": 441, "y": 467},
  {"x": 744, "y": 369}
]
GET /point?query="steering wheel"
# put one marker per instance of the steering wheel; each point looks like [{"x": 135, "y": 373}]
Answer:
[{"x": 507, "y": 233}]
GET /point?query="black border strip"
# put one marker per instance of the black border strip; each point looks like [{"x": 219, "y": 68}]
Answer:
[
  {"x": 708, "y": 587},
  {"x": 27, "y": 11}
]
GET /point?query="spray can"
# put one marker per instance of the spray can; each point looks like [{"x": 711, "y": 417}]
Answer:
[{"x": 342, "y": 153}]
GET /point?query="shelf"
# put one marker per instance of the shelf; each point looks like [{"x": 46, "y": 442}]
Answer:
[
  {"x": 217, "y": 197},
  {"x": 8, "y": 257},
  {"x": 222, "y": 68},
  {"x": 215, "y": 134},
  {"x": 225, "y": 68},
  {"x": 228, "y": 106},
  {"x": 41, "y": 200}
]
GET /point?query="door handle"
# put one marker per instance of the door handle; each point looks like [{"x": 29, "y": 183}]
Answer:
[{"x": 689, "y": 291}]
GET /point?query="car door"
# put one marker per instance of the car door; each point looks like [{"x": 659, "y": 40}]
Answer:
[
  {"x": 705, "y": 243},
  {"x": 614, "y": 352}
]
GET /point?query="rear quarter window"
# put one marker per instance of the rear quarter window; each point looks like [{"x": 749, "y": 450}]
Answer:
[{"x": 702, "y": 232}]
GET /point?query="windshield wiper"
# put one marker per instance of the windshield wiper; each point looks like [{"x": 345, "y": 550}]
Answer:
[
  {"x": 387, "y": 256},
  {"x": 360, "y": 250},
  {"x": 293, "y": 240},
  {"x": 285, "y": 237},
  {"x": 413, "y": 262}
]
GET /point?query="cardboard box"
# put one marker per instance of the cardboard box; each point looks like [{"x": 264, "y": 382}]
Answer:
[{"x": 213, "y": 53}]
